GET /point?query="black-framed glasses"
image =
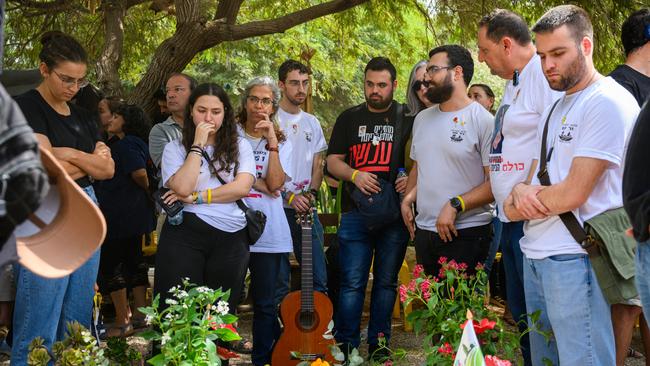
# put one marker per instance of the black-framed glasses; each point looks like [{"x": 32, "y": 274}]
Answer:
[
  {"x": 265, "y": 101},
  {"x": 434, "y": 69},
  {"x": 70, "y": 81},
  {"x": 419, "y": 84}
]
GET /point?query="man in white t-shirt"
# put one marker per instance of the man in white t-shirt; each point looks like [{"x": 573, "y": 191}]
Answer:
[
  {"x": 587, "y": 134},
  {"x": 450, "y": 179},
  {"x": 306, "y": 136},
  {"x": 505, "y": 45}
]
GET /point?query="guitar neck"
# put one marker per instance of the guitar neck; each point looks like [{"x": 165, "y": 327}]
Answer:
[{"x": 307, "y": 273}]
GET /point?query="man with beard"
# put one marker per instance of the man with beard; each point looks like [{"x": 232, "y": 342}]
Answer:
[
  {"x": 505, "y": 45},
  {"x": 366, "y": 150},
  {"x": 586, "y": 135},
  {"x": 450, "y": 178},
  {"x": 308, "y": 142}
]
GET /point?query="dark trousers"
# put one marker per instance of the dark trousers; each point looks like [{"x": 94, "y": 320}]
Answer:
[
  {"x": 471, "y": 247},
  {"x": 265, "y": 268},
  {"x": 122, "y": 265},
  {"x": 206, "y": 255}
]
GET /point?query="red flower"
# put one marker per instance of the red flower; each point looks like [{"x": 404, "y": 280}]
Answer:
[
  {"x": 442, "y": 261},
  {"x": 495, "y": 361},
  {"x": 402, "y": 293},
  {"x": 412, "y": 286},
  {"x": 462, "y": 266},
  {"x": 480, "y": 266},
  {"x": 388, "y": 363},
  {"x": 446, "y": 349},
  {"x": 453, "y": 264},
  {"x": 380, "y": 335},
  {"x": 482, "y": 326},
  {"x": 417, "y": 270},
  {"x": 425, "y": 287}
]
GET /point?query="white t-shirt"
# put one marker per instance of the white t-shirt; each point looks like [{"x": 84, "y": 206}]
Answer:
[
  {"x": 276, "y": 237},
  {"x": 512, "y": 146},
  {"x": 597, "y": 124},
  {"x": 223, "y": 216},
  {"x": 451, "y": 149},
  {"x": 306, "y": 136}
]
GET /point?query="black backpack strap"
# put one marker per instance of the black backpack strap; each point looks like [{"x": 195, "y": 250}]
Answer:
[
  {"x": 397, "y": 142},
  {"x": 568, "y": 218},
  {"x": 242, "y": 206}
]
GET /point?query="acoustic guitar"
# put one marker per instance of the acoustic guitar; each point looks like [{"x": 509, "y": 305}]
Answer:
[{"x": 305, "y": 313}]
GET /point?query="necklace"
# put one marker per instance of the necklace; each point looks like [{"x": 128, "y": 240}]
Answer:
[{"x": 258, "y": 139}]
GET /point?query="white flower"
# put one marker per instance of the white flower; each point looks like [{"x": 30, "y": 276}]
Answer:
[
  {"x": 202, "y": 289},
  {"x": 165, "y": 338},
  {"x": 181, "y": 294},
  {"x": 171, "y": 302},
  {"x": 169, "y": 316},
  {"x": 222, "y": 307},
  {"x": 148, "y": 319}
]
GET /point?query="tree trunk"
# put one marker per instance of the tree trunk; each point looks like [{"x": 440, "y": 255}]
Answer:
[{"x": 110, "y": 59}]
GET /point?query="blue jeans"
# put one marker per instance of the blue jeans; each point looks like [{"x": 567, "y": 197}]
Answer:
[
  {"x": 264, "y": 269},
  {"x": 513, "y": 264},
  {"x": 318, "y": 255},
  {"x": 494, "y": 245},
  {"x": 357, "y": 247},
  {"x": 643, "y": 274},
  {"x": 45, "y": 306},
  {"x": 565, "y": 291}
]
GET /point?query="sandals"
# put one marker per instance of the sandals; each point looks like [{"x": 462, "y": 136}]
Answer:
[
  {"x": 631, "y": 352},
  {"x": 125, "y": 330},
  {"x": 242, "y": 346}
]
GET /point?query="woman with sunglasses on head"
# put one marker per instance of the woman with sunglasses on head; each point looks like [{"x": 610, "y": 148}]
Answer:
[
  {"x": 210, "y": 245},
  {"x": 258, "y": 125},
  {"x": 416, "y": 100},
  {"x": 129, "y": 213},
  {"x": 45, "y": 306}
]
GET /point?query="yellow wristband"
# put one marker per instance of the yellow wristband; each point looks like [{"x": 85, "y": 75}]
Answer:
[
  {"x": 209, "y": 195},
  {"x": 293, "y": 195},
  {"x": 462, "y": 203},
  {"x": 195, "y": 196},
  {"x": 354, "y": 175}
]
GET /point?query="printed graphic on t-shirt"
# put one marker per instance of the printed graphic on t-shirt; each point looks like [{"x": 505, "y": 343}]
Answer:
[
  {"x": 373, "y": 153},
  {"x": 567, "y": 130},
  {"x": 458, "y": 130},
  {"x": 497, "y": 136}
]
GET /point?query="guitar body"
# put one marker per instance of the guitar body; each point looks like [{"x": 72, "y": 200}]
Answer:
[{"x": 303, "y": 331}]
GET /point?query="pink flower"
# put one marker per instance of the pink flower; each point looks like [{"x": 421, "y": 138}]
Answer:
[
  {"x": 495, "y": 361},
  {"x": 425, "y": 287},
  {"x": 441, "y": 273},
  {"x": 412, "y": 286},
  {"x": 442, "y": 260},
  {"x": 388, "y": 363},
  {"x": 462, "y": 266},
  {"x": 453, "y": 264},
  {"x": 480, "y": 266},
  {"x": 381, "y": 335},
  {"x": 402, "y": 293},
  {"x": 417, "y": 271}
]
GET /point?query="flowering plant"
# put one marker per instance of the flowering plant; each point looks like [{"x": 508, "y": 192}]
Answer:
[
  {"x": 78, "y": 348},
  {"x": 196, "y": 317},
  {"x": 445, "y": 300}
]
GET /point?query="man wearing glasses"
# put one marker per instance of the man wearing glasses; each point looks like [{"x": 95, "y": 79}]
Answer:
[
  {"x": 177, "y": 90},
  {"x": 308, "y": 142},
  {"x": 450, "y": 177},
  {"x": 505, "y": 45}
]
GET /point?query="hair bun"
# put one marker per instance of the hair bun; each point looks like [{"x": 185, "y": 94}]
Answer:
[{"x": 48, "y": 36}]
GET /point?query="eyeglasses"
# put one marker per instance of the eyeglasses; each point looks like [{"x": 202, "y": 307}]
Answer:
[
  {"x": 254, "y": 100},
  {"x": 434, "y": 69},
  {"x": 419, "y": 84},
  {"x": 296, "y": 83},
  {"x": 70, "y": 81},
  {"x": 177, "y": 89}
]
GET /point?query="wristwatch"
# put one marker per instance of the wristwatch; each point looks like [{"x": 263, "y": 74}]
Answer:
[{"x": 455, "y": 203}]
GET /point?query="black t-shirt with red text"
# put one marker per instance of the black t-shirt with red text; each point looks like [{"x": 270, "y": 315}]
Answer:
[{"x": 367, "y": 140}]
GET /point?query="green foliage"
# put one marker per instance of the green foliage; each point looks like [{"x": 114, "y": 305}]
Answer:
[
  {"x": 119, "y": 352},
  {"x": 79, "y": 348},
  {"x": 190, "y": 326}
]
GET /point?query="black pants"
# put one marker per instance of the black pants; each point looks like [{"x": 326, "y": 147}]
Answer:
[
  {"x": 122, "y": 265},
  {"x": 206, "y": 255},
  {"x": 471, "y": 247}
]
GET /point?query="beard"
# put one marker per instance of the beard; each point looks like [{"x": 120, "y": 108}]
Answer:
[
  {"x": 440, "y": 94},
  {"x": 297, "y": 100},
  {"x": 574, "y": 74},
  {"x": 382, "y": 103}
]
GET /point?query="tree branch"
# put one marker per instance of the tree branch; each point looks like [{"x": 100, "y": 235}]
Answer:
[
  {"x": 217, "y": 32},
  {"x": 228, "y": 10}
]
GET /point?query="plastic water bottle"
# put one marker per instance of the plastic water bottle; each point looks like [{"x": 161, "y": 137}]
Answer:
[
  {"x": 401, "y": 172},
  {"x": 176, "y": 219}
]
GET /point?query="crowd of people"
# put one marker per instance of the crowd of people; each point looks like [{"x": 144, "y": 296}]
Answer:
[{"x": 524, "y": 176}]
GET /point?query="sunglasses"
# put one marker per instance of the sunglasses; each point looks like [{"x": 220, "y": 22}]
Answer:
[{"x": 419, "y": 84}]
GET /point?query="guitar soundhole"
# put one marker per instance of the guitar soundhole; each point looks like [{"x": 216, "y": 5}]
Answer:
[{"x": 307, "y": 320}]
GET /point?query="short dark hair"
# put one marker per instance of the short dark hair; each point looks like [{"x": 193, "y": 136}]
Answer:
[
  {"x": 290, "y": 65},
  {"x": 635, "y": 32},
  {"x": 159, "y": 94},
  {"x": 457, "y": 56},
  {"x": 505, "y": 23},
  {"x": 574, "y": 17},
  {"x": 59, "y": 47},
  {"x": 486, "y": 88},
  {"x": 192, "y": 81},
  {"x": 136, "y": 122},
  {"x": 380, "y": 64}
]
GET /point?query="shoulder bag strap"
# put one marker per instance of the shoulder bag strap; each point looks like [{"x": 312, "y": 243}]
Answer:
[
  {"x": 397, "y": 141},
  {"x": 242, "y": 206},
  {"x": 568, "y": 218}
]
